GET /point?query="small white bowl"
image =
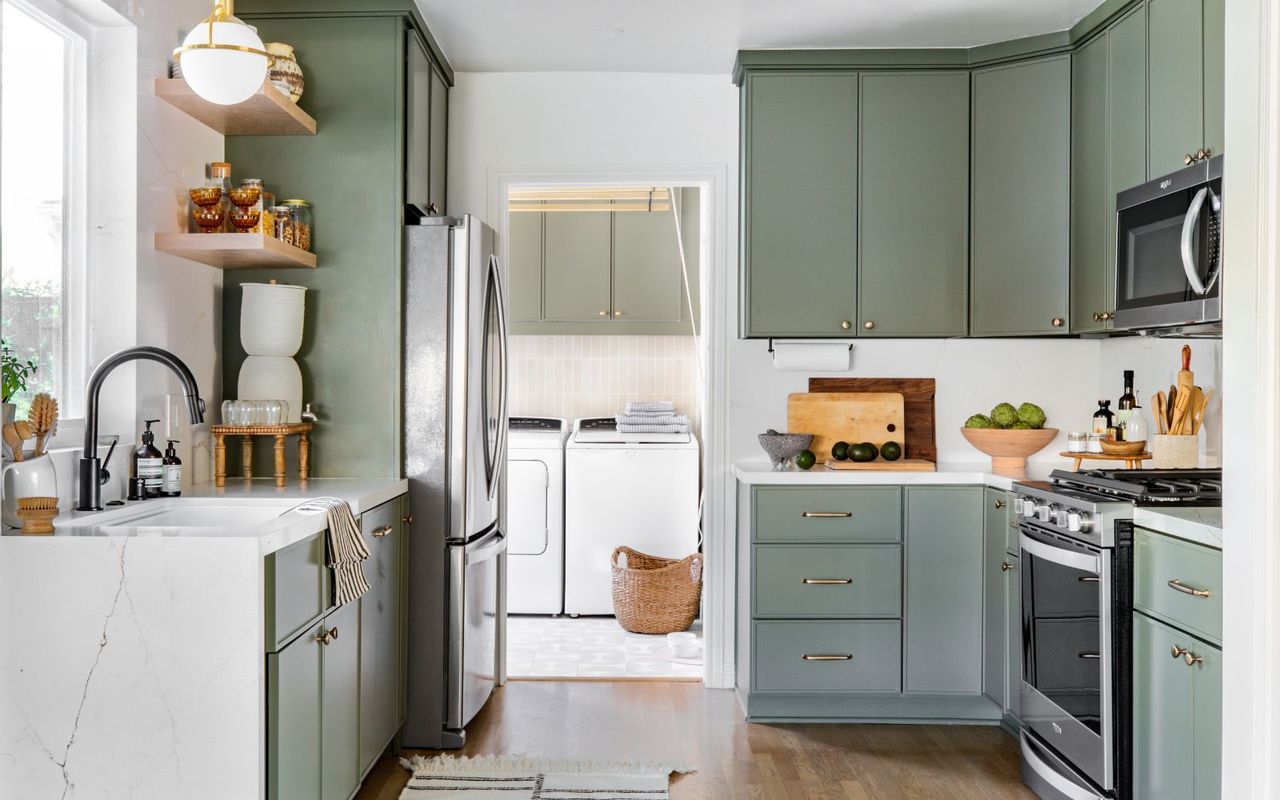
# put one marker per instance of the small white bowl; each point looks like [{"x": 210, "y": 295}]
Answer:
[{"x": 684, "y": 644}]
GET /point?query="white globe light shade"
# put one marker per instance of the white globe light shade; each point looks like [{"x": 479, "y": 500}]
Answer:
[{"x": 224, "y": 76}]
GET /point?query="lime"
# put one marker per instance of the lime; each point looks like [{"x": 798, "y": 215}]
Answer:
[
  {"x": 806, "y": 459},
  {"x": 861, "y": 452},
  {"x": 891, "y": 451},
  {"x": 840, "y": 451},
  {"x": 875, "y": 451}
]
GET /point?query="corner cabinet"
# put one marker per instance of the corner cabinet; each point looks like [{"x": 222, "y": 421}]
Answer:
[
  {"x": 1021, "y": 190},
  {"x": 335, "y": 690},
  {"x": 861, "y": 603}
]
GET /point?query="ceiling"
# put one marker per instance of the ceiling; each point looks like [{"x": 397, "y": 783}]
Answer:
[{"x": 704, "y": 35}]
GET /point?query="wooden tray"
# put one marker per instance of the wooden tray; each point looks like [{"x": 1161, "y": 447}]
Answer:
[
  {"x": 1131, "y": 462},
  {"x": 875, "y": 417},
  {"x": 917, "y": 395},
  {"x": 880, "y": 465}
]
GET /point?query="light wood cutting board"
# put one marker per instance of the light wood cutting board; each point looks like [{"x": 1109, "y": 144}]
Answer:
[
  {"x": 880, "y": 465},
  {"x": 853, "y": 417}
]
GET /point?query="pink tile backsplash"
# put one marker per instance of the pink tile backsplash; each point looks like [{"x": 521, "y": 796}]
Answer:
[{"x": 595, "y": 376}]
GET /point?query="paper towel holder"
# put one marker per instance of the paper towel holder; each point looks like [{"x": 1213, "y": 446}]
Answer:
[{"x": 827, "y": 351}]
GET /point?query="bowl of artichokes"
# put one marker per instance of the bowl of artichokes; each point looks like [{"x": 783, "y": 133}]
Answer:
[{"x": 1009, "y": 434}]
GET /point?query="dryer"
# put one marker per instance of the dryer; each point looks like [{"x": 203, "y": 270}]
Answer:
[
  {"x": 535, "y": 515},
  {"x": 638, "y": 490}
]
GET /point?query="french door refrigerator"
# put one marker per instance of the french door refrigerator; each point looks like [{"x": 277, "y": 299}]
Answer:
[{"x": 454, "y": 429}]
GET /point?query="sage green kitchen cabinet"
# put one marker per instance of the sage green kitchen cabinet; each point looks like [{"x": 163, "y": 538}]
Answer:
[
  {"x": 944, "y": 582},
  {"x": 800, "y": 220},
  {"x": 417, "y": 145},
  {"x": 382, "y": 631},
  {"x": 1215, "y": 77},
  {"x": 1126, "y": 152},
  {"x": 647, "y": 280},
  {"x": 1000, "y": 587},
  {"x": 1013, "y": 646},
  {"x": 913, "y": 208},
  {"x": 524, "y": 266},
  {"x": 1175, "y": 84},
  {"x": 1177, "y": 714},
  {"x": 294, "y": 718},
  {"x": 439, "y": 141},
  {"x": 576, "y": 265},
  {"x": 1019, "y": 268},
  {"x": 340, "y": 705},
  {"x": 1091, "y": 269}
]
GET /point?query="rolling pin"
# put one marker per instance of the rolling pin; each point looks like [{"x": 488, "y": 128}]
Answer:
[{"x": 1186, "y": 378}]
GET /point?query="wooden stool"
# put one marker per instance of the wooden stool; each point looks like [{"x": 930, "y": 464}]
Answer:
[
  {"x": 1130, "y": 462},
  {"x": 247, "y": 432}
]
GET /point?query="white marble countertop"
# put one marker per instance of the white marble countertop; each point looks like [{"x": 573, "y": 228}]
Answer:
[
  {"x": 279, "y": 524},
  {"x": 1202, "y": 525},
  {"x": 760, "y": 472}
]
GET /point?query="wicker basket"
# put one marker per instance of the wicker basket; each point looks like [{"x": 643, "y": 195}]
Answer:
[{"x": 655, "y": 595}]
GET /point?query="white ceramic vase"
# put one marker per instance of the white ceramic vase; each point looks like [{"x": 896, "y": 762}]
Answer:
[
  {"x": 34, "y": 477},
  {"x": 271, "y": 319},
  {"x": 272, "y": 378}
]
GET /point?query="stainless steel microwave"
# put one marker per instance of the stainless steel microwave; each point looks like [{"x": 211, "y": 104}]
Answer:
[{"x": 1169, "y": 253}]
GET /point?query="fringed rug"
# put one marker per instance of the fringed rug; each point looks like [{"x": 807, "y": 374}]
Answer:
[{"x": 517, "y": 778}]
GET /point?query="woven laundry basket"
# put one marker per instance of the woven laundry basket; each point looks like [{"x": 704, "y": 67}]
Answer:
[{"x": 655, "y": 595}]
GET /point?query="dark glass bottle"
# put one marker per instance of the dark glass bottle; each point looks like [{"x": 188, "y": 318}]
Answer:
[{"x": 1103, "y": 418}]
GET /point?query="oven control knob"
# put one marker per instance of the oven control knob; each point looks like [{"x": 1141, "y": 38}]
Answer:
[
  {"x": 1060, "y": 517},
  {"x": 1030, "y": 508},
  {"x": 1045, "y": 512},
  {"x": 1079, "y": 521}
]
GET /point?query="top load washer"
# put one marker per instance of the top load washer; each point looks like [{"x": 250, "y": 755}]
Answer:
[
  {"x": 635, "y": 489},
  {"x": 535, "y": 515}
]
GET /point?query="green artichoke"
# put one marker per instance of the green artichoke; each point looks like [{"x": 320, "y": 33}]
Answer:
[
  {"x": 978, "y": 421},
  {"x": 1031, "y": 414},
  {"x": 1021, "y": 426},
  {"x": 1004, "y": 415}
]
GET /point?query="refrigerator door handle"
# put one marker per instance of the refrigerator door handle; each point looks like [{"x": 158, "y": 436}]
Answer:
[{"x": 495, "y": 275}]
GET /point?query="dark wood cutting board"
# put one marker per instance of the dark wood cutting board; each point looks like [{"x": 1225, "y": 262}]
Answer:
[{"x": 917, "y": 394}]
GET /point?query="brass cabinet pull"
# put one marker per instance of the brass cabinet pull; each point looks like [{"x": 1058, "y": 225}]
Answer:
[
  {"x": 826, "y": 581},
  {"x": 324, "y": 638},
  {"x": 869, "y": 325},
  {"x": 1188, "y": 159},
  {"x": 846, "y": 325},
  {"x": 604, "y": 313},
  {"x": 1177, "y": 652},
  {"x": 407, "y": 519},
  {"x": 1179, "y": 586},
  {"x": 1056, "y": 322},
  {"x": 378, "y": 533},
  {"x": 618, "y": 313},
  {"x": 1001, "y": 504},
  {"x": 1091, "y": 655},
  {"x": 1191, "y": 659},
  {"x": 1005, "y": 566},
  {"x": 1107, "y": 316},
  {"x": 826, "y": 514},
  {"x": 1097, "y": 316},
  {"x": 845, "y": 657},
  {"x": 333, "y": 633}
]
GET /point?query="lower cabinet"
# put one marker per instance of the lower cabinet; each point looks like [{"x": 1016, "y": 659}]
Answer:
[
  {"x": 335, "y": 692},
  {"x": 1177, "y": 714},
  {"x": 1002, "y": 608}
]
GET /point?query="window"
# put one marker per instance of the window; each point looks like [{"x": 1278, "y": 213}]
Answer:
[{"x": 42, "y": 196}]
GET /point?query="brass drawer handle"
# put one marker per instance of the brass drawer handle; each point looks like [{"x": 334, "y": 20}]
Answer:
[
  {"x": 845, "y": 657},
  {"x": 1001, "y": 504},
  {"x": 378, "y": 533},
  {"x": 1005, "y": 566},
  {"x": 826, "y": 581},
  {"x": 1179, "y": 586},
  {"x": 825, "y": 514},
  {"x": 325, "y": 637}
]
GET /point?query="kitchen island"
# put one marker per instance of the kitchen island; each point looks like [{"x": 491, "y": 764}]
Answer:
[{"x": 143, "y": 645}]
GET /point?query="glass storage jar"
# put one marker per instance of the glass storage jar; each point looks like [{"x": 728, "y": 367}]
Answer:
[
  {"x": 301, "y": 222},
  {"x": 1077, "y": 442},
  {"x": 1095, "y": 443},
  {"x": 282, "y": 224}
]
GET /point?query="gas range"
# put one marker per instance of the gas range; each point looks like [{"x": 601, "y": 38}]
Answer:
[{"x": 1085, "y": 505}]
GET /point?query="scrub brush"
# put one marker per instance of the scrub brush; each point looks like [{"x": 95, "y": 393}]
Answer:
[
  {"x": 43, "y": 417},
  {"x": 37, "y": 513}
]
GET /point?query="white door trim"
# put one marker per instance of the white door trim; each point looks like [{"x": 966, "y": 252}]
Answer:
[
  {"x": 1251, "y": 402},
  {"x": 718, "y": 326}
]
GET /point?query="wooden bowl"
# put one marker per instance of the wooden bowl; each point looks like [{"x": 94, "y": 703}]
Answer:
[
  {"x": 1124, "y": 448},
  {"x": 1009, "y": 449}
]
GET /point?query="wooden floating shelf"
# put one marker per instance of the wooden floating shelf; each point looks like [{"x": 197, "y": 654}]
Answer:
[
  {"x": 235, "y": 250},
  {"x": 267, "y": 113}
]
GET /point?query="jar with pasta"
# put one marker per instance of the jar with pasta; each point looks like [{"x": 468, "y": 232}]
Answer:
[
  {"x": 301, "y": 218},
  {"x": 282, "y": 224}
]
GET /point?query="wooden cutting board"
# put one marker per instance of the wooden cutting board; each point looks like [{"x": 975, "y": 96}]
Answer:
[
  {"x": 917, "y": 393},
  {"x": 853, "y": 417},
  {"x": 880, "y": 465}
]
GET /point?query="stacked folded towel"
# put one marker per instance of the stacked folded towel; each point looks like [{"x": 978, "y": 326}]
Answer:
[{"x": 655, "y": 416}]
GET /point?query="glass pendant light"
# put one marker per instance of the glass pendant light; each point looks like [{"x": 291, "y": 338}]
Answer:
[{"x": 222, "y": 59}]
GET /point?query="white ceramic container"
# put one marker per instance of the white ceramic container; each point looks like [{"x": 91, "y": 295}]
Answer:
[
  {"x": 34, "y": 477},
  {"x": 272, "y": 378},
  {"x": 1175, "y": 452},
  {"x": 271, "y": 319}
]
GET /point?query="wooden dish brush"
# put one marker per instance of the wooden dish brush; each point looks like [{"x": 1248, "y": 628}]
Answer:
[
  {"x": 43, "y": 418},
  {"x": 37, "y": 513}
]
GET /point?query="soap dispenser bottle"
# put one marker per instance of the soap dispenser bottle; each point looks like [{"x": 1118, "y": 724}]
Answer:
[
  {"x": 172, "y": 482},
  {"x": 148, "y": 464}
]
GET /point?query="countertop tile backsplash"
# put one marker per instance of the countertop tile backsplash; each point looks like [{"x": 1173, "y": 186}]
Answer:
[{"x": 595, "y": 376}]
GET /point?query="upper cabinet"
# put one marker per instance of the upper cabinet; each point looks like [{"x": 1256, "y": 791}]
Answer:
[
  {"x": 800, "y": 215},
  {"x": 1090, "y": 292},
  {"x": 604, "y": 272},
  {"x": 913, "y": 203},
  {"x": 426, "y": 128},
  {"x": 1021, "y": 186},
  {"x": 1176, "y": 80}
]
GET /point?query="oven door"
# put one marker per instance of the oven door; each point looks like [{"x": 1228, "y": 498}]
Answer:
[
  {"x": 1168, "y": 250},
  {"x": 1066, "y": 650}
]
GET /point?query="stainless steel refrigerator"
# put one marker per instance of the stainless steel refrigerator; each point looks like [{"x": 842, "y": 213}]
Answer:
[{"x": 455, "y": 429}]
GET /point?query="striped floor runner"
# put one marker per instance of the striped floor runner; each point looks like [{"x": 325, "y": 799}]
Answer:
[{"x": 515, "y": 778}]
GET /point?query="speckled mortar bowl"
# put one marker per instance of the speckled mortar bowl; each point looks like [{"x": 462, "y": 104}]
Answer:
[{"x": 783, "y": 447}]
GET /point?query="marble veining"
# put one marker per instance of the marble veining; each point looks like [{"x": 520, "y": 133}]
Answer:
[
  {"x": 948, "y": 473},
  {"x": 1202, "y": 525}
]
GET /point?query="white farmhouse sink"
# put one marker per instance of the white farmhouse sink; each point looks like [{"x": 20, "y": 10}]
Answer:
[{"x": 176, "y": 516}]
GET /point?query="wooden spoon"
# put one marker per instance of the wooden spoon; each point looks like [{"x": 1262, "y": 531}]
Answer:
[
  {"x": 1158, "y": 407},
  {"x": 1202, "y": 406}
]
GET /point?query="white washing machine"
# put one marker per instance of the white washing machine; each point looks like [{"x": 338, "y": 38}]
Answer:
[
  {"x": 637, "y": 489},
  {"x": 535, "y": 515}
]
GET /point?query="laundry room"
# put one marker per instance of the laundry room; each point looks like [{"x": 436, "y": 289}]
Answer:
[{"x": 604, "y": 454}]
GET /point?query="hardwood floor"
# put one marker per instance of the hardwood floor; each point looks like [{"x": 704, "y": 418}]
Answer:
[{"x": 734, "y": 759}]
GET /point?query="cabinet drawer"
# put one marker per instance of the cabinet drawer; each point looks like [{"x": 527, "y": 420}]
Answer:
[
  {"x": 835, "y": 581},
  {"x": 814, "y": 657},
  {"x": 797, "y": 514},
  {"x": 297, "y": 589},
  {"x": 1171, "y": 579}
]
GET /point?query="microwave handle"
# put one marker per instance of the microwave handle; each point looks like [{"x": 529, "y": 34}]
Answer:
[{"x": 1188, "y": 231}]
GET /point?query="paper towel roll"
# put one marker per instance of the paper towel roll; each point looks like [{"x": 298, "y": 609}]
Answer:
[{"x": 812, "y": 355}]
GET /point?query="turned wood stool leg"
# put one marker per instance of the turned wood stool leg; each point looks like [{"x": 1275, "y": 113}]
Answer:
[
  {"x": 246, "y": 457},
  {"x": 279, "y": 459},
  {"x": 304, "y": 453},
  {"x": 219, "y": 460}
]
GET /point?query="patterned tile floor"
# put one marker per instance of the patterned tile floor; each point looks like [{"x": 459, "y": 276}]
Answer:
[{"x": 591, "y": 647}]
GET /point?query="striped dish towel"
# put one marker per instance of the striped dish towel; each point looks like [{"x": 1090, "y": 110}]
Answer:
[
  {"x": 345, "y": 550},
  {"x": 643, "y": 406},
  {"x": 651, "y": 428},
  {"x": 651, "y": 419}
]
